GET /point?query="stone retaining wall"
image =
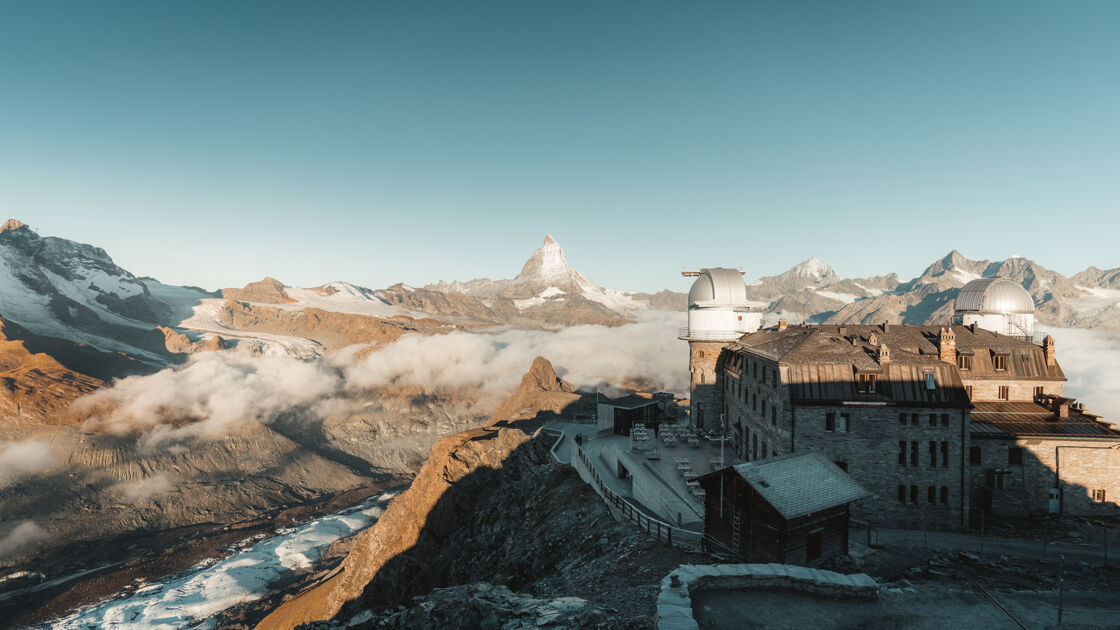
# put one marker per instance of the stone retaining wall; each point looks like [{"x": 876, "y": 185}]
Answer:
[{"x": 674, "y": 604}]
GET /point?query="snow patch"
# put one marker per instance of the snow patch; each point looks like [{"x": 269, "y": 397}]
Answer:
[
  {"x": 964, "y": 275},
  {"x": 190, "y": 598},
  {"x": 846, "y": 298}
]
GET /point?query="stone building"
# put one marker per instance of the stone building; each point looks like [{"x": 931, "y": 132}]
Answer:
[
  {"x": 944, "y": 425},
  {"x": 718, "y": 312}
]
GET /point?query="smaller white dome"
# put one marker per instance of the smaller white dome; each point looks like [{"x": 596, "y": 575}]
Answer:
[
  {"x": 995, "y": 296},
  {"x": 718, "y": 287}
]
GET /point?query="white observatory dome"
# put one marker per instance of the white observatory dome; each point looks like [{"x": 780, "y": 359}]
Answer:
[
  {"x": 718, "y": 309},
  {"x": 996, "y": 304},
  {"x": 994, "y": 296},
  {"x": 718, "y": 287}
]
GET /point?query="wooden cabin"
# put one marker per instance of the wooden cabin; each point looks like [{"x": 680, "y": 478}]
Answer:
[{"x": 791, "y": 509}]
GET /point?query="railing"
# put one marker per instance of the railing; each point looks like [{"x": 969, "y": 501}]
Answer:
[
  {"x": 662, "y": 531},
  {"x": 713, "y": 335}
]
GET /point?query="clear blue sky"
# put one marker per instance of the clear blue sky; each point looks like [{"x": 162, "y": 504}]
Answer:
[{"x": 213, "y": 143}]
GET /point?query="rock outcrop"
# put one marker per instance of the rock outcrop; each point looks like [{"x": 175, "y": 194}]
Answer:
[
  {"x": 35, "y": 388},
  {"x": 266, "y": 291},
  {"x": 180, "y": 343}
]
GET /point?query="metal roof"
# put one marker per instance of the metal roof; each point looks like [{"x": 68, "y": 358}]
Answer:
[
  {"x": 718, "y": 287},
  {"x": 993, "y": 295},
  {"x": 628, "y": 402},
  {"x": 1022, "y": 419},
  {"x": 798, "y": 484}
]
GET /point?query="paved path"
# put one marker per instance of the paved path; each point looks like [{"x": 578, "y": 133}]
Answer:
[{"x": 1011, "y": 547}]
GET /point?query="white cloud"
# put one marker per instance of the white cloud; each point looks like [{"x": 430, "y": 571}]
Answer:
[
  {"x": 26, "y": 533},
  {"x": 143, "y": 489},
  {"x": 19, "y": 459},
  {"x": 215, "y": 391},
  {"x": 1091, "y": 362}
]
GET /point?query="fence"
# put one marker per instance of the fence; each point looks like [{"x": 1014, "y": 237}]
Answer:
[{"x": 674, "y": 536}]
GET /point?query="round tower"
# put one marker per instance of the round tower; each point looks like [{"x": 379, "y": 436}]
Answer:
[
  {"x": 996, "y": 304},
  {"x": 718, "y": 312}
]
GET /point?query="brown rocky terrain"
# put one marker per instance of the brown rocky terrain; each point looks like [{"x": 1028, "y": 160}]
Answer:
[
  {"x": 180, "y": 343},
  {"x": 332, "y": 330},
  {"x": 489, "y": 507},
  {"x": 35, "y": 388},
  {"x": 266, "y": 291}
]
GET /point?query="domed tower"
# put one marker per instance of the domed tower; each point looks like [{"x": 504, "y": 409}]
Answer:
[
  {"x": 996, "y": 304},
  {"x": 718, "y": 312}
]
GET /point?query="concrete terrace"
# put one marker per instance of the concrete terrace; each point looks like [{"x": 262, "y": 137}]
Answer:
[{"x": 654, "y": 484}]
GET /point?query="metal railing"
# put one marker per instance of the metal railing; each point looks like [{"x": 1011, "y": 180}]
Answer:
[
  {"x": 712, "y": 335},
  {"x": 672, "y": 535}
]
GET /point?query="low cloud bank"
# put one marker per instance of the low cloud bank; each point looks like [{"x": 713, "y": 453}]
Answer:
[
  {"x": 1091, "y": 361},
  {"x": 20, "y": 459},
  {"x": 144, "y": 489},
  {"x": 26, "y": 533},
  {"x": 215, "y": 390}
]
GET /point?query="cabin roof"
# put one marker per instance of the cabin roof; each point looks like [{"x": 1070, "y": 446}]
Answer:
[{"x": 798, "y": 484}]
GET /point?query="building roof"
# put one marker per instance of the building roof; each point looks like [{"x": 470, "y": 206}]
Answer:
[
  {"x": 1030, "y": 419},
  {"x": 718, "y": 287},
  {"x": 820, "y": 362},
  {"x": 628, "y": 402},
  {"x": 798, "y": 484},
  {"x": 993, "y": 295}
]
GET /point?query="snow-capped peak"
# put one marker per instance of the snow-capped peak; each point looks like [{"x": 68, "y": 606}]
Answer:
[
  {"x": 813, "y": 268},
  {"x": 548, "y": 266}
]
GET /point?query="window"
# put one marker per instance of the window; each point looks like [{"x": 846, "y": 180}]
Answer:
[
  {"x": 968, "y": 391},
  {"x": 902, "y": 452},
  {"x": 999, "y": 481},
  {"x": 763, "y": 452},
  {"x": 913, "y": 494},
  {"x": 999, "y": 362},
  {"x": 1004, "y": 392},
  {"x": 1098, "y": 496},
  {"x": 914, "y": 419},
  {"x": 914, "y": 454},
  {"x": 754, "y": 447},
  {"x": 902, "y": 494},
  {"x": 902, "y": 418},
  {"x": 774, "y": 416},
  {"x": 1038, "y": 391},
  {"x": 964, "y": 361},
  {"x": 830, "y": 421},
  {"x": 932, "y": 420},
  {"x": 1015, "y": 456},
  {"x": 944, "y": 454},
  {"x": 933, "y": 454},
  {"x": 866, "y": 383},
  {"x": 764, "y": 407},
  {"x": 931, "y": 494},
  {"x": 931, "y": 382},
  {"x": 700, "y": 354},
  {"x": 944, "y": 419},
  {"x": 944, "y": 495},
  {"x": 842, "y": 425},
  {"x": 974, "y": 455}
]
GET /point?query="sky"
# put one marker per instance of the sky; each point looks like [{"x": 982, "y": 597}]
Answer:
[{"x": 214, "y": 143}]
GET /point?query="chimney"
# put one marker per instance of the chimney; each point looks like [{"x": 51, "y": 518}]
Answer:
[
  {"x": 884, "y": 354},
  {"x": 885, "y": 326},
  {"x": 1063, "y": 409},
  {"x": 782, "y": 324},
  {"x": 843, "y": 330},
  {"x": 1049, "y": 350},
  {"x": 947, "y": 345}
]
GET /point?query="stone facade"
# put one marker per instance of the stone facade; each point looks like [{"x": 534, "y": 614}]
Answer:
[
  {"x": 1016, "y": 477},
  {"x": 984, "y": 389},
  {"x": 705, "y": 362}
]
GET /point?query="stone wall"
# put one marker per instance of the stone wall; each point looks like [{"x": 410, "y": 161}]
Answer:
[
  {"x": 1023, "y": 391},
  {"x": 705, "y": 361},
  {"x": 1023, "y": 489}
]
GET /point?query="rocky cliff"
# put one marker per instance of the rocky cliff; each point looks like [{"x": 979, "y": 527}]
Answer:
[{"x": 492, "y": 516}]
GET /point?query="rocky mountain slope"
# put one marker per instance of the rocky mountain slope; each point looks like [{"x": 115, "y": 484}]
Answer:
[
  {"x": 812, "y": 291},
  {"x": 488, "y": 507}
]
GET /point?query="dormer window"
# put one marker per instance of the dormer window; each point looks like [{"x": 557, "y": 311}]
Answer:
[
  {"x": 964, "y": 361},
  {"x": 999, "y": 362},
  {"x": 866, "y": 383},
  {"x": 931, "y": 381}
]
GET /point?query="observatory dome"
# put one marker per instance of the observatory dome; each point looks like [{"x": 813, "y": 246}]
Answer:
[
  {"x": 718, "y": 287},
  {"x": 994, "y": 296}
]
